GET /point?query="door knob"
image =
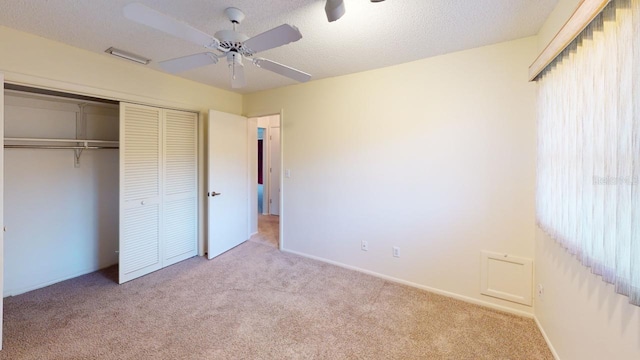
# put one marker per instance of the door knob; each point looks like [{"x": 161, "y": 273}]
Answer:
[{"x": 212, "y": 194}]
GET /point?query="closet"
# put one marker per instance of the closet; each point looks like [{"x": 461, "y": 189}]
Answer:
[
  {"x": 89, "y": 183},
  {"x": 60, "y": 188}
]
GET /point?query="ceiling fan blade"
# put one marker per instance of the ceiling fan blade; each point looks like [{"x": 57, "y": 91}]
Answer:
[
  {"x": 145, "y": 15},
  {"x": 188, "y": 62},
  {"x": 278, "y": 36},
  {"x": 282, "y": 70}
]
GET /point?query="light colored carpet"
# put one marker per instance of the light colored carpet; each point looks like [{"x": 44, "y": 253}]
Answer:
[
  {"x": 268, "y": 230},
  {"x": 255, "y": 302}
]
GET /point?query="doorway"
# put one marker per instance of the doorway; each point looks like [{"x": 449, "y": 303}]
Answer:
[
  {"x": 261, "y": 161},
  {"x": 268, "y": 179},
  {"x": 268, "y": 166}
]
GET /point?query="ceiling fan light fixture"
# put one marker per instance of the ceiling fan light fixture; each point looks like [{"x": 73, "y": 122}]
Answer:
[
  {"x": 234, "y": 59},
  {"x": 334, "y": 9},
  {"x": 128, "y": 56},
  {"x": 236, "y": 70}
]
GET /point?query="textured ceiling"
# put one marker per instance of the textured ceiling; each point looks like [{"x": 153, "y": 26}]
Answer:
[{"x": 368, "y": 36}]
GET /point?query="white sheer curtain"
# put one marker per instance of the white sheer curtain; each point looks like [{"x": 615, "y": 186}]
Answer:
[{"x": 588, "y": 186}]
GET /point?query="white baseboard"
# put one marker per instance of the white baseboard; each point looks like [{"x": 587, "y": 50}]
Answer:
[
  {"x": 22, "y": 290},
  {"x": 419, "y": 286},
  {"x": 546, "y": 339}
]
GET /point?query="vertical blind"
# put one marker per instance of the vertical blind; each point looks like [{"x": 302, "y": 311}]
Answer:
[{"x": 588, "y": 176}]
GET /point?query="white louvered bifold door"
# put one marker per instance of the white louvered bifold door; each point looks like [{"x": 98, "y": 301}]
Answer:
[
  {"x": 140, "y": 190},
  {"x": 180, "y": 207}
]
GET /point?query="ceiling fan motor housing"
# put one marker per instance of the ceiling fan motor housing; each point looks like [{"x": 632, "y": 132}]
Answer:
[{"x": 233, "y": 41}]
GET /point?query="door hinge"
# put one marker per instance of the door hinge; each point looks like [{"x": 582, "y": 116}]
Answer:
[{"x": 270, "y": 201}]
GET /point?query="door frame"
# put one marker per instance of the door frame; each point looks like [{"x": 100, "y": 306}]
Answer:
[
  {"x": 272, "y": 131},
  {"x": 253, "y": 185},
  {"x": 1, "y": 202}
]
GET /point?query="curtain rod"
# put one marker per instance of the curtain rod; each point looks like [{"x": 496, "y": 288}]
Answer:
[{"x": 585, "y": 13}]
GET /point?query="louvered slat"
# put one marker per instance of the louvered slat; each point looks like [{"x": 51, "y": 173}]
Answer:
[
  {"x": 142, "y": 250},
  {"x": 180, "y": 229},
  {"x": 180, "y": 153},
  {"x": 141, "y": 153}
]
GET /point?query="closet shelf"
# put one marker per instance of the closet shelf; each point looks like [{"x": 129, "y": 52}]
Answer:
[{"x": 83, "y": 141}]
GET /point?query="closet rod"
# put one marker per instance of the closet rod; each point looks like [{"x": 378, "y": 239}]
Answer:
[
  {"x": 61, "y": 140},
  {"x": 58, "y": 147}
]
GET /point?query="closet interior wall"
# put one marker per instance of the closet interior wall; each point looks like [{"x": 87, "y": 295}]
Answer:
[{"x": 61, "y": 205}]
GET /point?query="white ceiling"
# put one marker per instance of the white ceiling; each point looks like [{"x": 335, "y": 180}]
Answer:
[{"x": 368, "y": 36}]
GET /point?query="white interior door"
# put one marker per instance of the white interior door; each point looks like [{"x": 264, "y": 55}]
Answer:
[
  {"x": 1, "y": 198},
  {"x": 228, "y": 187},
  {"x": 274, "y": 175}
]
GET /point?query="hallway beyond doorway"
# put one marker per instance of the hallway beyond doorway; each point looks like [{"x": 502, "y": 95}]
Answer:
[
  {"x": 268, "y": 230},
  {"x": 260, "y": 194}
]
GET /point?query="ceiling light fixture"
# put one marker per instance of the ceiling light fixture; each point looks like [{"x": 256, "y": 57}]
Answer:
[
  {"x": 334, "y": 9},
  {"x": 127, "y": 55}
]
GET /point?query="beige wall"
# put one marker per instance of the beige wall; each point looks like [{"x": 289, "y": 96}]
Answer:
[
  {"x": 434, "y": 156},
  {"x": 581, "y": 316},
  {"x": 44, "y": 63}
]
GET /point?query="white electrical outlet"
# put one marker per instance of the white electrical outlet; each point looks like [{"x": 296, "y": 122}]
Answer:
[
  {"x": 364, "y": 245},
  {"x": 396, "y": 251}
]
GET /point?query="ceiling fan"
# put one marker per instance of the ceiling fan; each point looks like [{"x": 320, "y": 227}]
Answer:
[{"x": 229, "y": 44}]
